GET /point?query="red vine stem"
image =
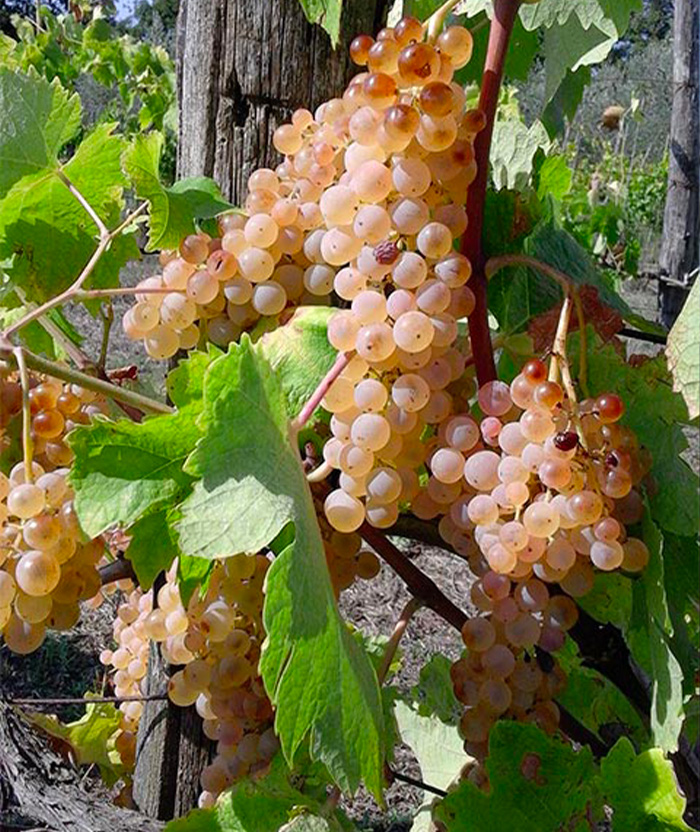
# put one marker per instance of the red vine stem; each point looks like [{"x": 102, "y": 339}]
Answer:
[
  {"x": 341, "y": 362},
  {"x": 504, "y": 12},
  {"x": 418, "y": 583},
  {"x": 117, "y": 570},
  {"x": 392, "y": 645}
]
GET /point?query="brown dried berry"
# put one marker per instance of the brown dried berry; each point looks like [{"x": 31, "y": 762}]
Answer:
[
  {"x": 566, "y": 440},
  {"x": 386, "y": 252}
]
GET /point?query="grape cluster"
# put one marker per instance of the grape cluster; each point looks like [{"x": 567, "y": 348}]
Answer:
[
  {"x": 535, "y": 495},
  {"x": 216, "y": 639},
  {"x": 46, "y": 566},
  {"x": 369, "y": 197},
  {"x": 345, "y": 557}
]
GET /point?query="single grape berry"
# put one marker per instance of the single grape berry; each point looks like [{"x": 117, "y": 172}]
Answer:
[
  {"x": 609, "y": 408},
  {"x": 386, "y": 252},
  {"x": 535, "y": 371},
  {"x": 359, "y": 49},
  {"x": 565, "y": 440}
]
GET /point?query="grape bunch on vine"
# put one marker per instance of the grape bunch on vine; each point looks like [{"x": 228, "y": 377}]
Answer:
[{"x": 349, "y": 360}]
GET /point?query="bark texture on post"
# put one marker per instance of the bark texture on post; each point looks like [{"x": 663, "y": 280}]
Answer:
[
  {"x": 679, "y": 256},
  {"x": 243, "y": 67},
  {"x": 40, "y": 790}
]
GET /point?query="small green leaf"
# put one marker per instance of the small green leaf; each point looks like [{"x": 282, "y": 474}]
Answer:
[
  {"x": 554, "y": 178},
  {"x": 192, "y": 574},
  {"x": 513, "y": 151},
  {"x": 152, "y": 547},
  {"x": 641, "y": 790},
  {"x": 683, "y": 352},
  {"x": 175, "y": 210},
  {"x": 326, "y": 13},
  {"x": 91, "y": 737},
  {"x": 123, "y": 470},
  {"x": 263, "y": 805},
  {"x": 434, "y": 693},
  {"x": 594, "y": 701},
  {"x": 440, "y": 753},
  {"x": 300, "y": 354},
  {"x": 649, "y": 637},
  {"x": 252, "y": 485},
  {"x": 38, "y": 119},
  {"x": 538, "y": 784},
  {"x": 49, "y": 232}
]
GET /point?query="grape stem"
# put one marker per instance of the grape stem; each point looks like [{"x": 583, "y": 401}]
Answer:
[
  {"x": 27, "y": 444},
  {"x": 307, "y": 411},
  {"x": 433, "y": 25},
  {"x": 83, "y": 701},
  {"x": 76, "y": 355},
  {"x": 418, "y": 583},
  {"x": 504, "y": 13},
  {"x": 106, "y": 238},
  {"x": 559, "y": 363},
  {"x": 392, "y": 645},
  {"x": 60, "y": 371},
  {"x": 568, "y": 286},
  {"x": 117, "y": 570},
  {"x": 319, "y": 473},
  {"x": 107, "y": 315}
]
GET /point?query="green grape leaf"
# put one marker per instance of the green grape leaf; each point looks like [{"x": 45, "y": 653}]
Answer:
[
  {"x": 261, "y": 805},
  {"x": 192, "y": 574},
  {"x": 649, "y": 635},
  {"x": 185, "y": 383},
  {"x": 326, "y": 13},
  {"x": 518, "y": 294},
  {"x": 252, "y": 485},
  {"x": 300, "y": 354},
  {"x": 656, "y": 415},
  {"x": 682, "y": 583},
  {"x": 123, "y": 470},
  {"x": 439, "y": 750},
  {"x": 91, "y": 738},
  {"x": 565, "y": 101},
  {"x": 434, "y": 693},
  {"x": 576, "y": 35},
  {"x": 33, "y": 336},
  {"x": 571, "y": 45},
  {"x": 683, "y": 352},
  {"x": 152, "y": 548},
  {"x": 549, "y": 13},
  {"x": 595, "y": 701},
  {"x": 38, "y": 119},
  {"x": 513, "y": 152},
  {"x": 641, "y": 790},
  {"x": 523, "y": 48},
  {"x": 553, "y": 178},
  {"x": 610, "y": 600},
  {"x": 174, "y": 211},
  {"x": 537, "y": 783},
  {"x": 49, "y": 232}
]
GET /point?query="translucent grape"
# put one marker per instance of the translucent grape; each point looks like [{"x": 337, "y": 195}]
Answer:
[
  {"x": 370, "y": 395},
  {"x": 370, "y": 431},
  {"x": 375, "y": 342},
  {"x": 344, "y": 513},
  {"x": 481, "y": 470}
]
